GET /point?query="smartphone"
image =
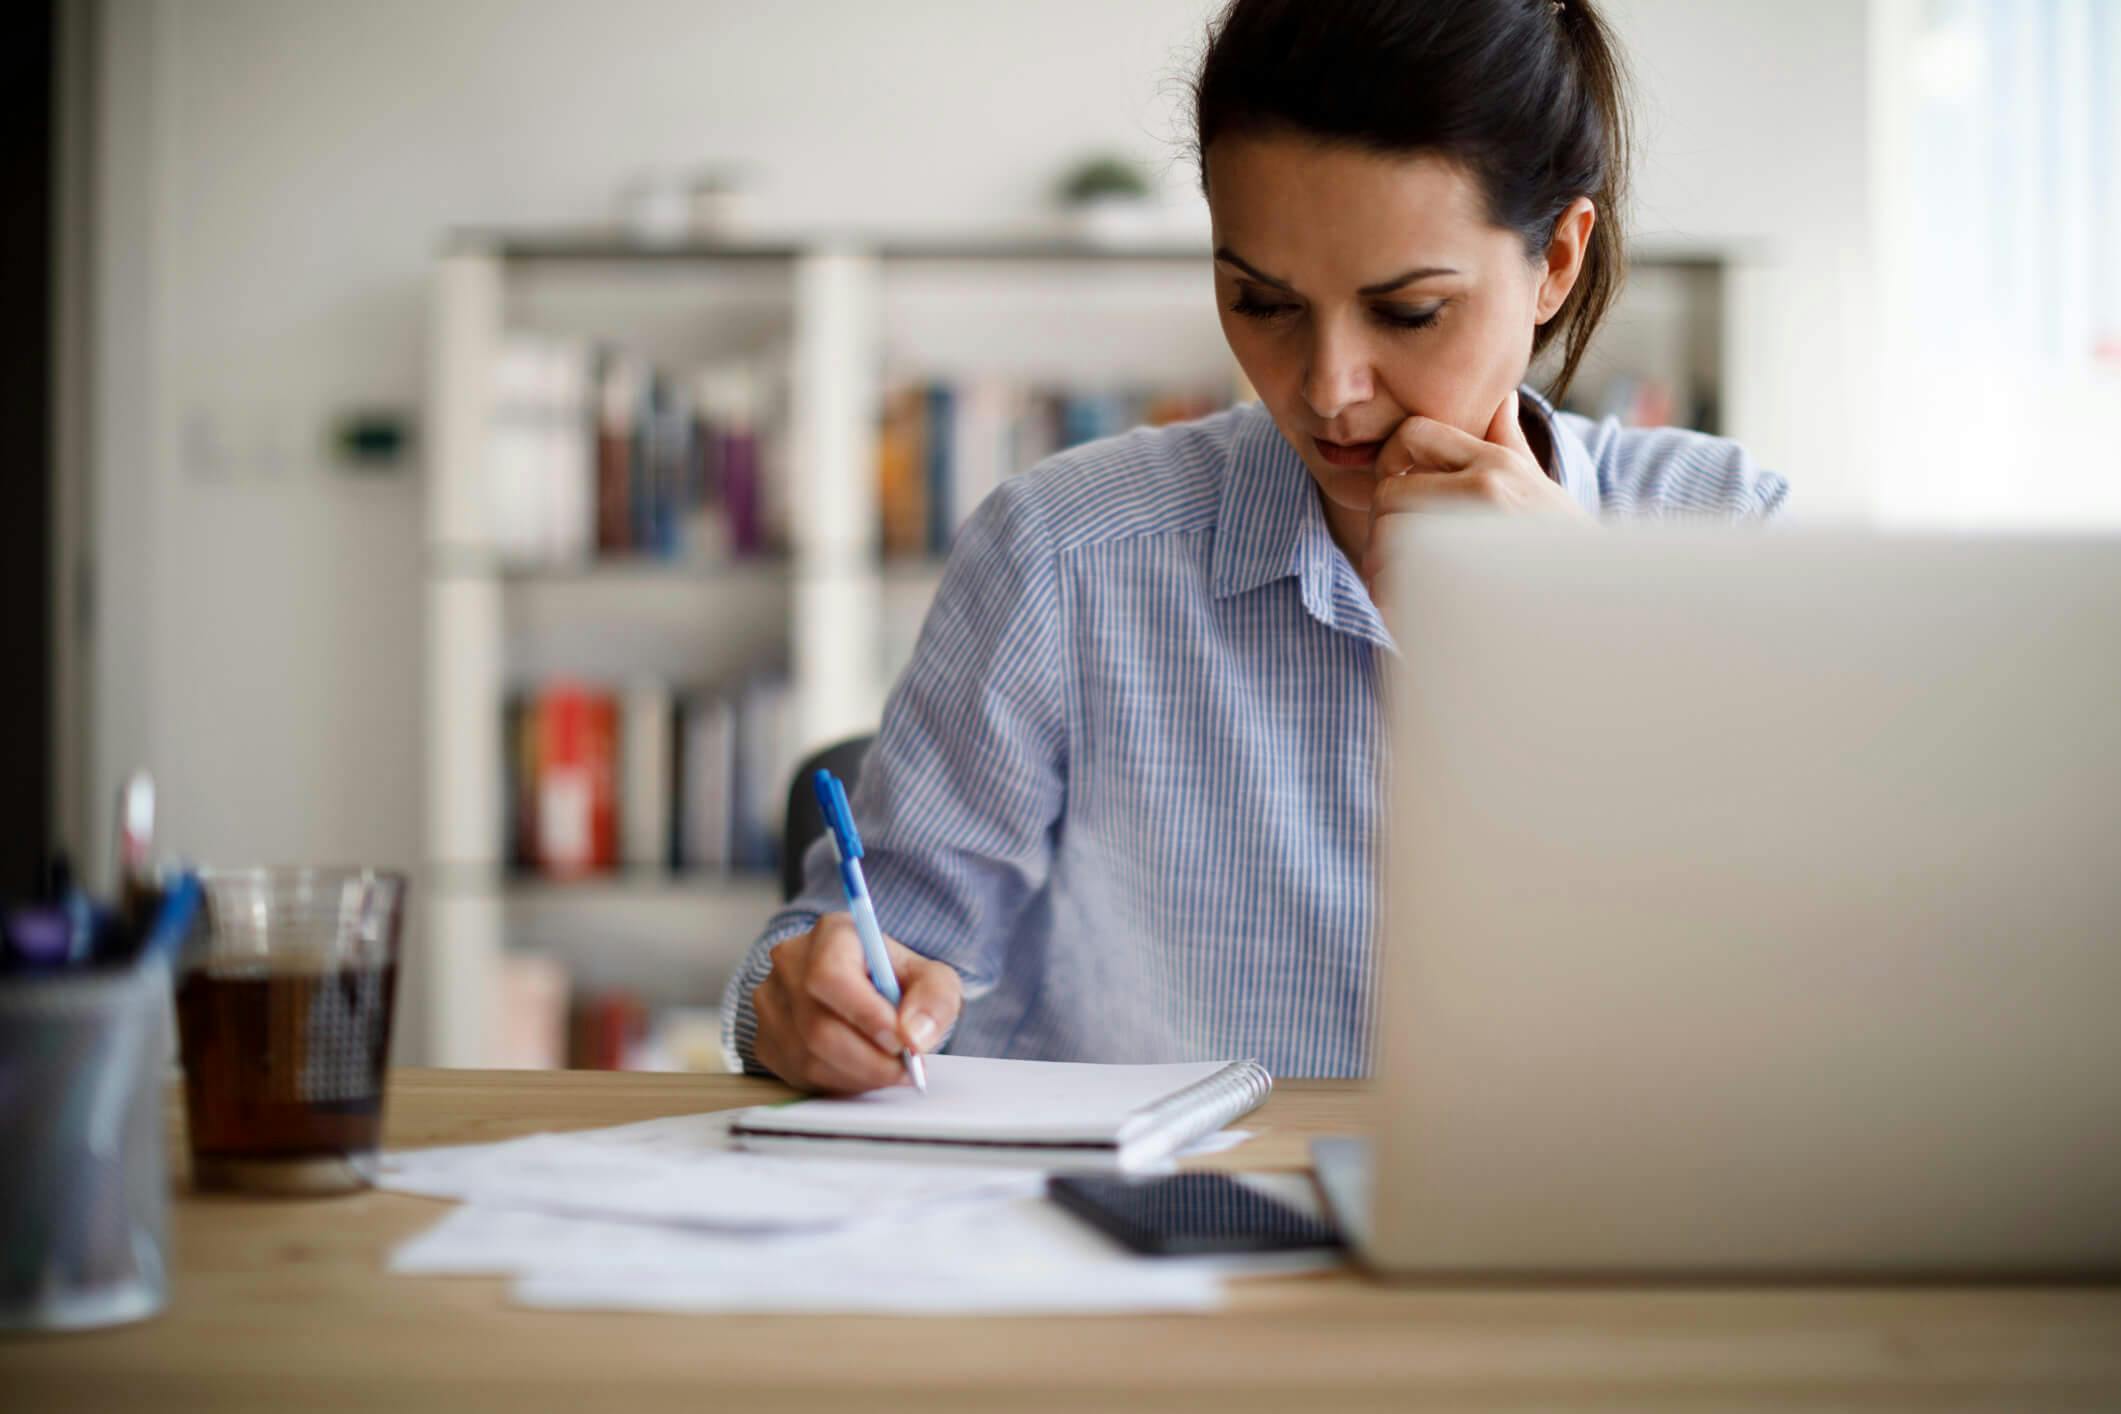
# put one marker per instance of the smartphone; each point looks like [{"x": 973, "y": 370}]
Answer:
[{"x": 1189, "y": 1214}]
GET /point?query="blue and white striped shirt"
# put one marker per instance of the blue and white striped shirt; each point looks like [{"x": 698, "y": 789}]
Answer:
[{"x": 1129, "y": 784}]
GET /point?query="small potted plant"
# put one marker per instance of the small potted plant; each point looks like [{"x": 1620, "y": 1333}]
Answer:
[{"x": 1106, "y": 199}]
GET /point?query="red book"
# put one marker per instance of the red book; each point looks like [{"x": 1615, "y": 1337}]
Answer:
[
  {"x": 606, "y": 1026},
  {"x": 577, "y": 773},
  {"x": 604, "y": 781},
  {"x": 617, "y": 409}
]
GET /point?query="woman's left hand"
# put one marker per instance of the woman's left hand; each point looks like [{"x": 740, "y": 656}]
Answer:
[{"x": 1426, "y": 465}]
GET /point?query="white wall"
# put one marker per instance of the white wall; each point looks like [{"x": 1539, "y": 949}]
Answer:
[
  {"x": 278, "y": 174},
  {"x": 1756, "y": 131}
]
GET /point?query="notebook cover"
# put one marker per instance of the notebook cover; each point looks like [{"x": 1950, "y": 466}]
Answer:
[{"x": 1062, "y": 1109}]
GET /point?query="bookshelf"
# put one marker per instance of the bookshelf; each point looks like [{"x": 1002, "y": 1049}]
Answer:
[{"x": 831, "y": 328}]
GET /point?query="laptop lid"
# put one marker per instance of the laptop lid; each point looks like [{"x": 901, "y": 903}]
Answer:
[{"x": 1754, "y": 903}]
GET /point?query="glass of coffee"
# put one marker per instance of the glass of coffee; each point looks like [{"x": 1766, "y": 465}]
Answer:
[{"x": 283, "y": 1017}]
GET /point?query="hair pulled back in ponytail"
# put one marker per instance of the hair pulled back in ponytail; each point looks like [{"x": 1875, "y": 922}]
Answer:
[{"x": 1529, "y": 96}]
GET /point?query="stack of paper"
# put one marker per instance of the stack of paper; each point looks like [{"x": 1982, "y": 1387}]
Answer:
[
  {"x": 665, "y": 1216},
  {"x": 681, "y": 1171}
]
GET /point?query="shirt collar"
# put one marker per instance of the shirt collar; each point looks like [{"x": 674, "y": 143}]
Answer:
[
  {"x": 1266, "y": 507},
  {"x": 1269, "y": 525},
  {"x": 1578, "y": 472}
]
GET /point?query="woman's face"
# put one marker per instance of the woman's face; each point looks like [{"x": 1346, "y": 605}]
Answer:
[{"x": 1360, "y": 289}]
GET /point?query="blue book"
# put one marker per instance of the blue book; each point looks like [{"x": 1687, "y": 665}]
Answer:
[
  {"x": 644, "y": 467},
  {"x": 673, "y": 440},
  {"x": 942, "y": 403},
  {"x": 1080, "y": 419}
]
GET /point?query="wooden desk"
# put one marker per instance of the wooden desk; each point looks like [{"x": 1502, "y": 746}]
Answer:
[{"x": 284, "y": 1305}]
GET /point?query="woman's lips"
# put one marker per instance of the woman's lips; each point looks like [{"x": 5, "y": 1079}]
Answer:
[{"x": 1347, "y": 453}]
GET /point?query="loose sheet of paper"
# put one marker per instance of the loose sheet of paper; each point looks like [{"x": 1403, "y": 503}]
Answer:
[
  {"x": 680, "y": 1171},
  {"x": 1017, "y": 1256},
  {"x": 1222, "y": 1141}
]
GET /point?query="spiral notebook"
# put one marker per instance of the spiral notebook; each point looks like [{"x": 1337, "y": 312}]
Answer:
[{"x": 1052, "y": 1114}]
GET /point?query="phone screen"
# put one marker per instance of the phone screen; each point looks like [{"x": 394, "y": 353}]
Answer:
[{"x": 1189, "y": 1213}]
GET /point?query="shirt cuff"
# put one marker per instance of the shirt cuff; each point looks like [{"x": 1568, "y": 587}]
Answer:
[{"x": 740, "y": 1023}]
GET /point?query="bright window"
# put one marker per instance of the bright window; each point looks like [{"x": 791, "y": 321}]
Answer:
[{"x": 2000, "y": 168}]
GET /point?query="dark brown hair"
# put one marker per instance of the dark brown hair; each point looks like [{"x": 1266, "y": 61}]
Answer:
[{"x": 1528, "y": 96}]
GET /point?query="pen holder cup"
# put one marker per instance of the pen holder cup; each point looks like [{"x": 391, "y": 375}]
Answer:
[{"x": 84, "y": 1195}]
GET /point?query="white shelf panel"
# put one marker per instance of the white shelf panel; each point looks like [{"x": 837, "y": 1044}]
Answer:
[
  {"x": 677, "y": 315},
  {"x": 1062, "y": 321},
  {"x": 650, "y": 891},
  {"x": 464, "y": 720},
  {"x": 461, "y": 562},
  {"x": 457, "y": 967},
  {"x": 613, "y": 623},
  {"x": 673, "y": 940}
]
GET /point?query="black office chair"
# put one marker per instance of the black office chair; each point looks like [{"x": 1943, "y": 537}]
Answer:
[{"x": 805, "y": 820}]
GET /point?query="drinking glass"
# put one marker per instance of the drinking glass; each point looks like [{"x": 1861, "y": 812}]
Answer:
[{"x": 284, "y": 1002}]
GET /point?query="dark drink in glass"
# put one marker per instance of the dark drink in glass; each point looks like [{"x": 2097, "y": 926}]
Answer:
[{"x": 283, "y": 1012}]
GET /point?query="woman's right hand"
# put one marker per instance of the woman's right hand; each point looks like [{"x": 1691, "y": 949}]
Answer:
[{"x": 823, "y": 1026}]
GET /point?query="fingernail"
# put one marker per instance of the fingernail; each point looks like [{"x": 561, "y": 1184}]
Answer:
[
  {"x": 921, "y": 1031},
  {"x": 886, "y": 1041}
]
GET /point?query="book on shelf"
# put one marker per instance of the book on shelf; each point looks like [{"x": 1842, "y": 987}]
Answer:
[
  {"x": 706, "y": 760},
  {"x": 604, "y": 1029},
  {"x": 594, "y": 451},
  {"x": 943, "y": 445},
  {"x": 646, "y": 777},
  {"x": 532, "y": 995},
  {"x": 761, "y": 764},
  {"x": 575, "y": 789},
  {"x": 537, "y": 467}
]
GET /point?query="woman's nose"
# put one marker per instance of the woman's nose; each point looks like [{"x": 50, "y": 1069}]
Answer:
[{"x": 1338, "y": 376}]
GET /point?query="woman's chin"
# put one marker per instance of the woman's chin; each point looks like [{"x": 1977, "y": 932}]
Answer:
[{"x": 1348, "y": 489}]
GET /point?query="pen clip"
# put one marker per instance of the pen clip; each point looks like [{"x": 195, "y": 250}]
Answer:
[{"x": 832, "y": 799}]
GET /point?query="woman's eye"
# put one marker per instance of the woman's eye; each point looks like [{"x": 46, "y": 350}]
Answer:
[
  {"x": 1409, "y": 318},
  {"x": 1254, "y": 308}
]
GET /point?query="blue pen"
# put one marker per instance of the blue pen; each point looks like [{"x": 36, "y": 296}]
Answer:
[
  {"x": 839, "y": 820},
  {"x": 173, "y": 921}
]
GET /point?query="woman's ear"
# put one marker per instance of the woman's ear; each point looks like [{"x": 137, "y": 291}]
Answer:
[{"x": 1565, "y": 253}]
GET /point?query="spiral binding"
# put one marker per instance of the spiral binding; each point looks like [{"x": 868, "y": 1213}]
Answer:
[{"x": 1196, "y": 1111}]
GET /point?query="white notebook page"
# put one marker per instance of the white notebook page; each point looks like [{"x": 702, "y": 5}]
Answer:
[{"x": 976, "y": 1098}]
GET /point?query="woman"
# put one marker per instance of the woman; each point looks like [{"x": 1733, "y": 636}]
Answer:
[{"x": 1121, "y": 805}]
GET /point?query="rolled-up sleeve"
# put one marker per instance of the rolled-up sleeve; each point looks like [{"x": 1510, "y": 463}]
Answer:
[
  {"x": 961, "y": 793},
  {"x": 1668, "y": 471}
]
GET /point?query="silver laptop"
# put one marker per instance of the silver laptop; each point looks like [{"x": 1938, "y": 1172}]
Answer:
[{"x": 1754, "y": 907}]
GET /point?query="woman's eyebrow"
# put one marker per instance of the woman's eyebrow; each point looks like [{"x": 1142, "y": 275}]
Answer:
[
  {"x": 1382, "y": 287},
  {"x": 1231, "y": 257},
  {"x": 1385, "y": 287}
]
